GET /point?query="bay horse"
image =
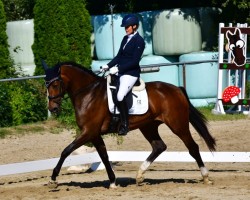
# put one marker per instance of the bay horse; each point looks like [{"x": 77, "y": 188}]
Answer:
[{"x": 168, "y": 104}]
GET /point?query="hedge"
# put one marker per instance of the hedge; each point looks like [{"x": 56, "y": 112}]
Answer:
[{"x": 62, "y": 33}]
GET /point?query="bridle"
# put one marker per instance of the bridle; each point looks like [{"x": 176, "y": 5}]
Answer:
[{"x": 61, "y": 93}]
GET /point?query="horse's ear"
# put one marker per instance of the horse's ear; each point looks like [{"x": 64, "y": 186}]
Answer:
[
  {"x": 45, "y": 66},
  {"x": 228, "y": 34},
  {"x": 237, "y": 32}
]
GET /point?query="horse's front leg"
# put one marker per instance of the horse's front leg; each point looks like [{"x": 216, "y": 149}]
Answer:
[
  {"x": 102, "y": 151},
  {"x": 66, "y": 152}
]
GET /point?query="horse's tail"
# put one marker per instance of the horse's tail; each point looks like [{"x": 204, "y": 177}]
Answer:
[{"x": 199, "y": 122}]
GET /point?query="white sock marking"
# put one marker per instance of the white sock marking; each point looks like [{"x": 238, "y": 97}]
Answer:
[
  {"x": 145, "y": 165},
  {"x": 204, "y": 171}
]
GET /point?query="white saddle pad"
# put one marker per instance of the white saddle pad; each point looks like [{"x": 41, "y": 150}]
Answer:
[{"x": 140, "y": 101}]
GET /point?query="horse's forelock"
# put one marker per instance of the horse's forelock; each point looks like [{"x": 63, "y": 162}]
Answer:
[{"x": 52, "y": 73}]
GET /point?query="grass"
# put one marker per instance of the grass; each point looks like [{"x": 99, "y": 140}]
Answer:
[
  {"x": 207, "y": 111},
  {"x": 56, "y": 127},
  {"x": 38, "y": 128}
]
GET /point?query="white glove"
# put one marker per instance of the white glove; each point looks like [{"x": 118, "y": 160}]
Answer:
[
  {"x": 113, "y": 70},
  {"x": 104, "y": 68}
]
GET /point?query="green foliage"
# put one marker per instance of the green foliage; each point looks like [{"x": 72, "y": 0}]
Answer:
[
  {"x": 28, "y": 102},
  {"x": 6, "y": 71},
  {"x": 5, "y": 106},
  {"x": 22, "y": 102},
  {"x": 141, "y": 5},
  {"x": 62, "y": 32},
  {"x": 67, "y": 114},
  {"x": 6, "y": 64},
  {"x": 18, "y": 9},
  {"x": 235, "y": 11},
  {"x": 207, "y": 111},
  {"x": 247, "y": 92}
]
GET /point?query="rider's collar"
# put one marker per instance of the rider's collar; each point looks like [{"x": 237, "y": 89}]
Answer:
[{"x": 131, "y": 35}]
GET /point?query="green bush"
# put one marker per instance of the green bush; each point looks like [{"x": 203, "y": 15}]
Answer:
[
  {"x": 5, "y": 106},
  {"x": 62, "y": 32},
  {"x": 67, "y": 114},
  {"x": 28, "y": 101},
  {"x": 18, "y": 9},
  {"x": 247, "y": 92},
  {"x": 6, "y": 64},
  {"x": 6, "y": 71},
  {"x": 22, "y": 102}
]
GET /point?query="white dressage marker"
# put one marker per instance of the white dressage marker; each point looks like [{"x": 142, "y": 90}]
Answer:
[{"x": 121, "y": 156}]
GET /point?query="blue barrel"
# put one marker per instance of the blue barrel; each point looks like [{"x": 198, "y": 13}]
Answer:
[
  {"x": 203, "y": 102},
  {"x": 96, "y": 64},
  {"x": 168, "y": 74},
  {"x": 147, "y": 24},
  {"x": 202, "y": 78},
  {"x": 103, "y": 35},
  {"x": 176, "y": 31},
  {"x": 21, "y": 37}
]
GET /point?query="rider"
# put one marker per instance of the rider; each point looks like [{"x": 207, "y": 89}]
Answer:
[{"x": 126, "y": 65}]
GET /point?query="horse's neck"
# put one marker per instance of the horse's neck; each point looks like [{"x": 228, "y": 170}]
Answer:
[{"x": 76, "y": 79}]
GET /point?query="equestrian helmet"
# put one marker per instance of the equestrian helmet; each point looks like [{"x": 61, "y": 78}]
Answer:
[{"x": 130, "y": 20}]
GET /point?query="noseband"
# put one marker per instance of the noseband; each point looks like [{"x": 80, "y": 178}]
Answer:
[{"x": 48, "y": 83}]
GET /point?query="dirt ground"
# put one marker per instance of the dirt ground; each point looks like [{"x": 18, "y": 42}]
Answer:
[{"x": 162, "y": 180}]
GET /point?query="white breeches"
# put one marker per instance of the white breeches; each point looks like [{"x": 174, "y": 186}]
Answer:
[{"x": 126, "y": 84}]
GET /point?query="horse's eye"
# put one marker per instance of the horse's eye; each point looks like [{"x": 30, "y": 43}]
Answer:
[
  {"x": 55, "y": 86},
  {"x": 240, "y": 43},
  {"x": 231, "y": 46}
]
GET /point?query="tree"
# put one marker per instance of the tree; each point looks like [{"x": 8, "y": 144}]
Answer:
[
  {"x": 6, "y": 64},
  {"x": 62, "y": 32},
  {"x": 235, "y": 11},
  {"x": 18, "y": 9},
  {"x": 6, "y": 71}
]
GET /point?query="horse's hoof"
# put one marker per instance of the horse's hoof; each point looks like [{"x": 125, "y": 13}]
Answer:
[
  {"x": 207, "y": 181},
  {"x": 139, "y": 180},
  {"x": 113, "y": 186},
  {"x": 52, "y": 184}
]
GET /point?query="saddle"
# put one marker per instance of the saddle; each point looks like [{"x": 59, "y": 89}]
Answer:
[{"x": 137, "y": 99}]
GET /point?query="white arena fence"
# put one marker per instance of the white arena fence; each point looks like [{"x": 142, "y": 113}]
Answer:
[{"x": 121, "y": 156}]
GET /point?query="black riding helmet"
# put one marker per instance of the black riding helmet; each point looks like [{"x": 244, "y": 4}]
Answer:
[{"x": 130, "y": 20}]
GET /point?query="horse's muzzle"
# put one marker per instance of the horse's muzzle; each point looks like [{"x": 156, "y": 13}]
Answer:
[
  {"x": 54, "y": 110},
  {"x": 54, "y": 106}
]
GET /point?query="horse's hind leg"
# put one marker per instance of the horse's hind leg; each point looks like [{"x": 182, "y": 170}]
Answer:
[
  {"x": 150, "y": 132},
  {"x": 193, "y": 149}
]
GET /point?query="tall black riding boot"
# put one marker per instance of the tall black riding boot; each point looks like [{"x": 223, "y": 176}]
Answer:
[{"x": 123, "y": 108}]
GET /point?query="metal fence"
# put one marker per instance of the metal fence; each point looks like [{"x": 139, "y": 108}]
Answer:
[{"x": 144, "y": 69}]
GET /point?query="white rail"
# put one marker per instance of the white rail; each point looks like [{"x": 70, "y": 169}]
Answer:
[{"x": 121, "y": 156}]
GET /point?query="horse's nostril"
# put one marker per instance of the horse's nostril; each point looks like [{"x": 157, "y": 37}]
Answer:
[{"x": 54, "y": 110}]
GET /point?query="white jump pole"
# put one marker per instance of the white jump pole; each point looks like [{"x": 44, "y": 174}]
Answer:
[{"x": 219, "y": 109}]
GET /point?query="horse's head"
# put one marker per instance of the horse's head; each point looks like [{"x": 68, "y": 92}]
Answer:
[
  {"x": 55, "y": 87},
  {"x": 236, "y": 45}
]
